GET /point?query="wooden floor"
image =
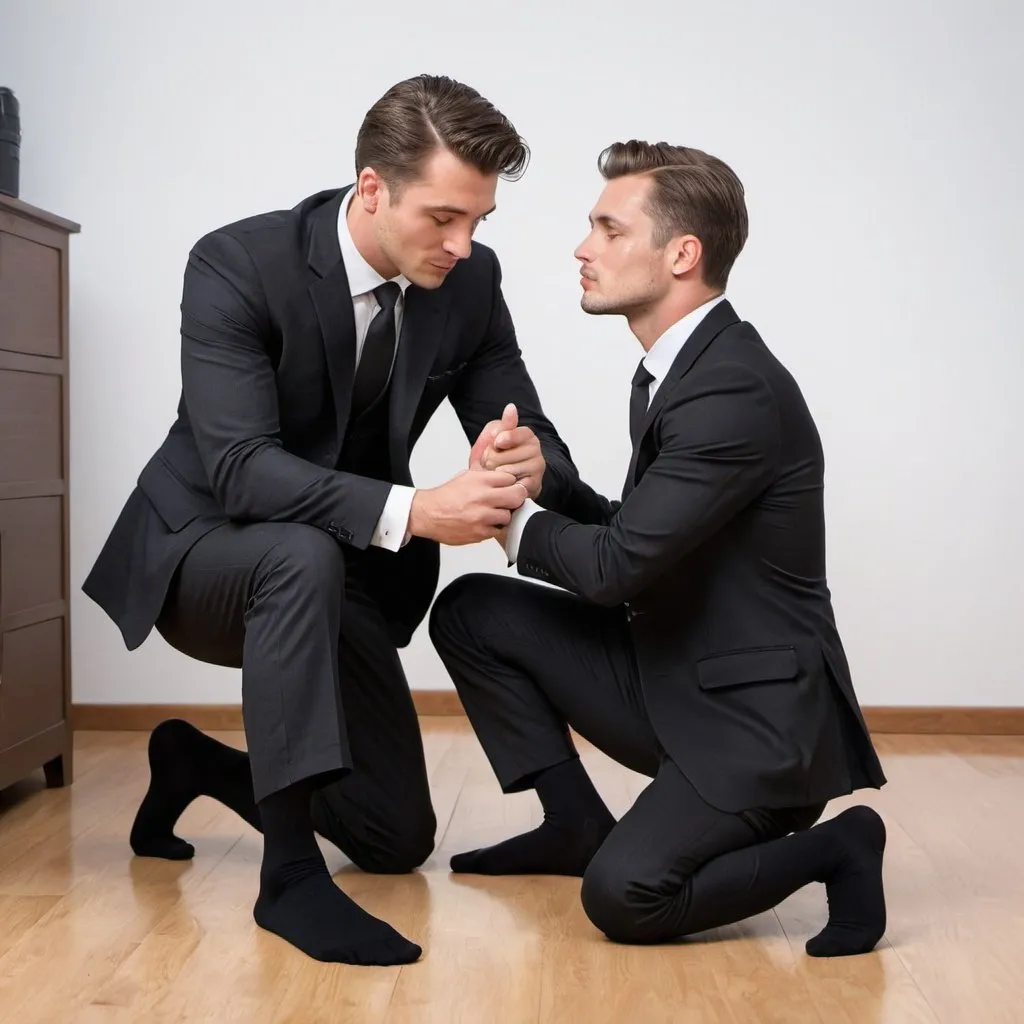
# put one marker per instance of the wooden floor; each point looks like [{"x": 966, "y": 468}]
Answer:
[{"x": 90, "y": 934}]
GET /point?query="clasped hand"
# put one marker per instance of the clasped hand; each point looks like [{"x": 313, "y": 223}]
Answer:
[
  {"x": 506, "y": 467},
  {"x": 503, "y": 444}
]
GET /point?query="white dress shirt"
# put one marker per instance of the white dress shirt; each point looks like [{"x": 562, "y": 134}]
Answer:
[
  {"x": 657, "y": 362},
  {"x": 391, "y": 531}
]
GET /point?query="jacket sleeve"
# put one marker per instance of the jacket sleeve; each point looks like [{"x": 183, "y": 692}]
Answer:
[
  {"x": 229, "y": 390},
  {"x": 718, "y": 445}
]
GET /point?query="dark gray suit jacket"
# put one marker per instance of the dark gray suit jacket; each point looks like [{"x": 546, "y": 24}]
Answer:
[
  {"x": 717, "y": 550},
  {"x": 267, "y": 360}
]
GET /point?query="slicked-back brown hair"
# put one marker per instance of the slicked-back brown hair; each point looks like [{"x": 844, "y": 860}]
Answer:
[
  {"x": 416, "y": 116},
  {"x": 692, "y": 193}
]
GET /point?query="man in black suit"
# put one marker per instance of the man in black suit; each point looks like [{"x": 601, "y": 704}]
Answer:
[
  {"x": 693, "y": 638},
  {"x": 277, "y": 528}
]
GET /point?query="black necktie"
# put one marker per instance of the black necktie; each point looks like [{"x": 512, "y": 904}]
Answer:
[
  {"x": 638, "y": 401},
  {"x": 378, "y": 353}
]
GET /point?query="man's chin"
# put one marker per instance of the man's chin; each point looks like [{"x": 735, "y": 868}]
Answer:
[
  {"x": 429, "y": 277},
  {"x": 595, "y": 306}
]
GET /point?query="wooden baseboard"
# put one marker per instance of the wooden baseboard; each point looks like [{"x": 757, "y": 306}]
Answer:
[
  {"x": 971, "y": 721},
  {"x": 131, "y": 717},
  {"x": 437, "y": 702},
  {"x": 224, "y": 717},
  {"x": 955, "y": 721}
]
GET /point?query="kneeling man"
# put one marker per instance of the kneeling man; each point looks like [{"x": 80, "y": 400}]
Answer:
[{"x": 693, "y": 637}]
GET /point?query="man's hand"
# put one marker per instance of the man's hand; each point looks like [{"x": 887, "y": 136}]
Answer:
[
  {"x": 509, "y": 420},
  {"x": 503, "y": 444},
  {"x": 470, "y": 507}
]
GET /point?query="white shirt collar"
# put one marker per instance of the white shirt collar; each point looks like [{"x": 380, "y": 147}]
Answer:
[
  {"x": 664, "y": 351},
  {"x": 362, "y": 278}
]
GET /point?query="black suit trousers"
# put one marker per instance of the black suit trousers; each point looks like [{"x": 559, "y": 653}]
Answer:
[
  {"x": 323, "y": 690},
  {"x": 529, "y": 662}
]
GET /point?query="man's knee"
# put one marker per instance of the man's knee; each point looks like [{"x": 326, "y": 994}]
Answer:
[
  {"x": 413, "y": 844},
  {"x": 394, "y": 843},
  {"x": 457, "y": 607},
  {"x": 614, "y": 904},
  {"x": 306, "y": 557},
  {"x": 402, "y": 850}
]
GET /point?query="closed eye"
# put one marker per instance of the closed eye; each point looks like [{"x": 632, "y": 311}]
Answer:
[{"x": 447, "y": 220}]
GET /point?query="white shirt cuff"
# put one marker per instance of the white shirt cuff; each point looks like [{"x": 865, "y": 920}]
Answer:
[
  {"x": 520, "y": 518},
  {"x": 392, "y": 530}
]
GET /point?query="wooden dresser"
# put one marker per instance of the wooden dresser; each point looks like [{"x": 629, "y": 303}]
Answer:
[{"x": 35, "y": 633}]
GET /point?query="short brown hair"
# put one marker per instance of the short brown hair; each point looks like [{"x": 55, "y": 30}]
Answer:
[
  {"x": 416, "y": 116},
  {"x": 693, "y": 193}
]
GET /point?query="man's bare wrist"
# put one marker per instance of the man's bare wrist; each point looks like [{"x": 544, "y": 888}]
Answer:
[{"x": 418, "y": 518}]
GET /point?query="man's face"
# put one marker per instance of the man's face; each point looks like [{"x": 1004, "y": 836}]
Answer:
[
  {"x": 621, "y": 271},
  {"x": 427, "y": 228}
]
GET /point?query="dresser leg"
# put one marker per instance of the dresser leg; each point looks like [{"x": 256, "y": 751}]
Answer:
[{"x": 59, "y": 771}]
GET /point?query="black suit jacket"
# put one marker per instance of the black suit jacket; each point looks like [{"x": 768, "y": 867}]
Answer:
[
  {"x": 267, "y": 361},
  {"x": 717, "y": 552}
]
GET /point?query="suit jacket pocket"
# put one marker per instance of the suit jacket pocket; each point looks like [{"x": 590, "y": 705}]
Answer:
[
  {"x": 736, "y": 668},
  {"x": 168, "y": 494},
  {"x": 446, "y": 377}
]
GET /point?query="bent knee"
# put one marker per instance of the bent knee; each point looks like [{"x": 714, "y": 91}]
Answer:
[
  {"x": 404, "y": 851},
  {"x": 313, "y": 557},
  {"x": 460, "y": 603},
  {"x": 615, "y": 905},
  {"x": 605, "y": 898}
]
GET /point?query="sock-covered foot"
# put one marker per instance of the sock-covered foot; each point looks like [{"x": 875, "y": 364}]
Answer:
[
  {"x": 184, "y": 763},
  {"x": 856, "y": 896},
  {"x": 576, "y": 823},
  {"x": 300, "y": 902},
  {"x": 174, "y": 784},
  {"x": 298, "y": 899},
  {"x": 550, "y": 849}
]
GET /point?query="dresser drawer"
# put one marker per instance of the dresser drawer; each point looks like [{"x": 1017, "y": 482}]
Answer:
[
  {"x": 31, "y": 554},
  {"x": 31, "y": 426},
  {"x": 30, "y": 296},
  {"x": 35, "y": 725},
  {"x": 31, "y": 680}
]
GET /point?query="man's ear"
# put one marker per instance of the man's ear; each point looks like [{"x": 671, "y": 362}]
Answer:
[
  {"x": 686, "y": 254},
  {"x": 370, "y": 189}
]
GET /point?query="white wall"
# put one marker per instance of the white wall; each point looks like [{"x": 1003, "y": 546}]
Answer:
[{"x": 881, "y": 146}]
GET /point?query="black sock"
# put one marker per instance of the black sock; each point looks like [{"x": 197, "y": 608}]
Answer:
[
  {"x": 856, "y": 895},
  {"x": 576, "y": 823},
  {"x": 845, "y": 853},
  {"x": 299, "y": 901},
  {"x": 184, "y": 764}
]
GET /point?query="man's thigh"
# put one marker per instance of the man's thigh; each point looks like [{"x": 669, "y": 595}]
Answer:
[
  {"x": 204, "y": 612},
  {"x": 638, "y": 883},
  {"x": 578, "y": 656},
  {"x": 668, "y": 833}
]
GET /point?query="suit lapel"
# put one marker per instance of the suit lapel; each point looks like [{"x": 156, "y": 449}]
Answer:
[
  {"x": 722, "y": 316},
  {"x": 423, "y": 322},
  {"x": 338, "y": 328},
  {"x": 333, "y": 303}
]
